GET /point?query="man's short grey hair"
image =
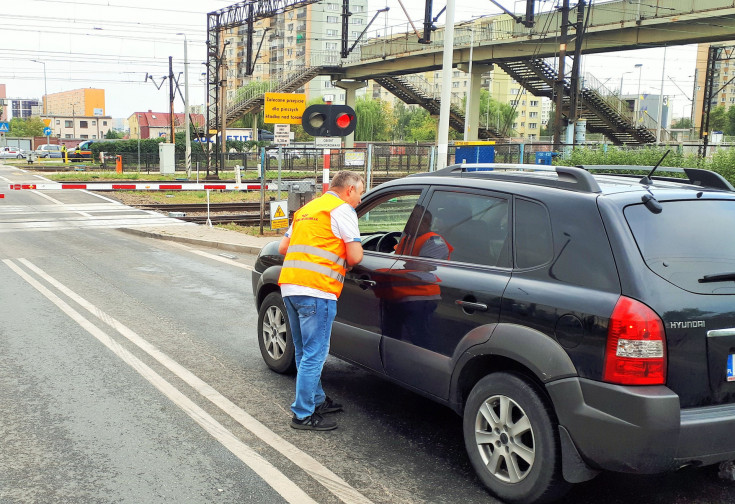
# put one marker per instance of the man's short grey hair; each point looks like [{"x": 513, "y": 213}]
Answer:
[{"x": 345, "y": 178}]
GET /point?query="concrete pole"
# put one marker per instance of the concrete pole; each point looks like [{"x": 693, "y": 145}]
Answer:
[
  {"x": 186, "y": 108},
  {"x": 472, "y": 113},
  {"x": 470, "y": 92},
  {"x": 660, "y": 100},
  {"x": 446, "y": 94},
  {"x": 350, "y": 88}
]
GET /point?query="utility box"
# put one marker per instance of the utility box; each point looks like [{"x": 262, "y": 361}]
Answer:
[
  {"x": 300, "y": 192},
  {"x": 167, "y": 158},
  {"x": 474, "y": 152},
  {"x": 544, "y": 158}
]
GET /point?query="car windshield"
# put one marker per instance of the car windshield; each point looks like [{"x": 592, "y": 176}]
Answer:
[{"x": 687, "y": 242}]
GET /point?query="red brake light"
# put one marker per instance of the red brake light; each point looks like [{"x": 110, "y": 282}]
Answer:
[{"x": 636, "y": 346}]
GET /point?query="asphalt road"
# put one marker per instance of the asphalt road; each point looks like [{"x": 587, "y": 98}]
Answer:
[{"x": 130, "y": 373}]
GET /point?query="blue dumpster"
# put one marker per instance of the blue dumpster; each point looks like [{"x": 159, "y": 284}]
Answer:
[
  {"x": 474, "y": 152},
  {"x": 544, "y": 158}
]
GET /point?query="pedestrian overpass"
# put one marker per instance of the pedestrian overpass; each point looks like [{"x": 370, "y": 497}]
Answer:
[{"x": 522, "y": 52}]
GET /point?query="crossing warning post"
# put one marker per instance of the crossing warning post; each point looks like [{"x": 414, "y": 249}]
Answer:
[{"x": 279, "y": 214}]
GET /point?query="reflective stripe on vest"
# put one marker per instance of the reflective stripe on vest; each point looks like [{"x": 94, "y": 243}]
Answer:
[{"x": 315, "y": 258}]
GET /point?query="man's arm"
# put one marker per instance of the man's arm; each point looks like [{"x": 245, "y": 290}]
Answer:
[
  {"x": 283, "y": 246},
  {"x": 353, "y": 251}
]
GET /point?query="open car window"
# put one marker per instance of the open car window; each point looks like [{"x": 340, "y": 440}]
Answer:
[{"x": 383, "y": 221}]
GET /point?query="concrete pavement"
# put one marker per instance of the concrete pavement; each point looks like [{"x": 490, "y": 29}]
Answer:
[{"x": 197, "y": 234}]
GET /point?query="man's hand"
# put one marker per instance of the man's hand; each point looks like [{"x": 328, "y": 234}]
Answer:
[{"x": 353, "y": 251}]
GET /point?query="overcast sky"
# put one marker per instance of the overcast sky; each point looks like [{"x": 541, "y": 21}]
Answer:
[{"x": 113, "y": 44}]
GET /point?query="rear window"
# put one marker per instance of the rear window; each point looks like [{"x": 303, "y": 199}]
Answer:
[{"x": 688, "y": 241}]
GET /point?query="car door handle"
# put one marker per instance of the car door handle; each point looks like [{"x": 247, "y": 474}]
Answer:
[
  {"x": 469, "y": 305},
  {"x": 363, "y": 282}
]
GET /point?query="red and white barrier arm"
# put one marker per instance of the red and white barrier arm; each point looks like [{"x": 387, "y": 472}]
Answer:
[{"x": 143, "y": 187}]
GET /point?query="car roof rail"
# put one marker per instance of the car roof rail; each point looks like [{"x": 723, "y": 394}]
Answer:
[
  {"x": 695, "y": 176},
  {"x": 568, "y": 177}
]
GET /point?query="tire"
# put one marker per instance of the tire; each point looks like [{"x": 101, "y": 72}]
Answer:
[
  {"x": 274, "y": 335},
  {"x": 19, "y": 156},
  {"x": 512, "y": 439}
]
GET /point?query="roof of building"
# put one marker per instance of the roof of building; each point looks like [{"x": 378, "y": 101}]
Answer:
[{"x": 163, "y": 119}]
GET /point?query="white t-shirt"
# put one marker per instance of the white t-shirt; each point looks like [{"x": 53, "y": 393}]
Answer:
[{"x": 344, "y": 226}]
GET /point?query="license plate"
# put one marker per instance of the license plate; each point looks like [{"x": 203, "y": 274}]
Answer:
[{"x": 731, "y": 367}]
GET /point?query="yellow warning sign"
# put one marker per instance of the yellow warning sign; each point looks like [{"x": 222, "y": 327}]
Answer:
[
  {"x": 279, "y": 214},
  {"x": 47, "y": 122},
  {"x": 284, "y": 108}
]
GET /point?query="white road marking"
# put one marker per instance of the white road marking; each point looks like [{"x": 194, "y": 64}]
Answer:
[
  {"x": 319, "y": 472},
  {"x": 216, "y": 257},
  {"x": 44, "y": 195},
  {"x": 272, "y": 476},
  {"x": 103, "y": 197}
]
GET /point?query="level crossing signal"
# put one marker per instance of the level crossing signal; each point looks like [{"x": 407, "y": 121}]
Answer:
[{"x": 329, "y": 120}]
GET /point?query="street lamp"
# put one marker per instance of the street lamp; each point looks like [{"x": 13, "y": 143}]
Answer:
[
  {"x": 620, "y": 94},
  {"x": 639, "y": 66},
  {"x": 45, "y": 90},
  {"x": 186, "y": 107}
]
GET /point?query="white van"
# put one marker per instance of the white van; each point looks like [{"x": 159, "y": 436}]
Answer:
[{"x": 49, "y": 151}]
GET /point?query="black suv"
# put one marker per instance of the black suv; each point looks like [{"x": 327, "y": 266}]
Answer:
[{"x": 579, "y": 320}]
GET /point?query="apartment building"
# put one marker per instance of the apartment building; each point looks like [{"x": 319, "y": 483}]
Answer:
[
  {"x": 79, "y": 127},
  {"x": 158, "y": 124},
  {"x": 78, "y": 102},
  {"x": 723, "y": 83},
  {"x": 307, "y": 36}
]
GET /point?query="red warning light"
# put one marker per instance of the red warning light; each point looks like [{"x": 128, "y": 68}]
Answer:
[{"x": 343, "y": 120}]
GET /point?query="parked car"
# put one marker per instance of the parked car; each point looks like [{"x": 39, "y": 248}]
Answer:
[
  {"x": 581, "y": 320},
  {"x": 49, "y": 151},
  {"x": 287, "y": 153},
  {"x": 12, "y": 153}
]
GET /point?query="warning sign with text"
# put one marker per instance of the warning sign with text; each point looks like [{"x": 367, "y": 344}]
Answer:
[
  {"x": 284, "y": 108},
  {"x": 279, "y": 214}
]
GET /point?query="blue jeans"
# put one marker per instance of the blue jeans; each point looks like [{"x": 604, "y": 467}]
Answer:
[{"x": 311, "y": 326}]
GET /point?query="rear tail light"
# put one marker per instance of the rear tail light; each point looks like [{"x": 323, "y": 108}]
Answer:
[{"x": 636, "y": 347}]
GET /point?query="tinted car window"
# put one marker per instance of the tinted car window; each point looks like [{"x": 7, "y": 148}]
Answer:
[
  {"x": 474, "y": 226},
  {"x": 707, "y": 247},
  {"x": 533, "y": 244}
]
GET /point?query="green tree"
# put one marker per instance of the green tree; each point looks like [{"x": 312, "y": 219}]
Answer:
[
  {"x": 682, "y": 123},
  {"x": 32, "y": 126},
  {"x": 374, "y": 120},
  {"x": 113, "y": 134},
  {"x": 421, "y": 126},
  {"x": 730, "y": 121},
  {"x": 718, "y": 118}
]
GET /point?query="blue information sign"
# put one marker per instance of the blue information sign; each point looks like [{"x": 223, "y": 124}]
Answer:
[
  {"x": 731, "y": 367},
  {"x": 4, "y": 127},
  {"x": 47, "y": 131}
]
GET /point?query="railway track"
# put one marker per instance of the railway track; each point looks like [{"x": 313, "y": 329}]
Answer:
[{"x": 202, "y": 207}]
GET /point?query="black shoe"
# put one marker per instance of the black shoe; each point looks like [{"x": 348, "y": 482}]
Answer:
[
  {"x": 314, "y": 422},
  {"x": 328, "y": 406}
]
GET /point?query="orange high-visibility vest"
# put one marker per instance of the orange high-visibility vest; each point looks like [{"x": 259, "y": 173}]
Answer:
[{"x": 315, "y": 257}]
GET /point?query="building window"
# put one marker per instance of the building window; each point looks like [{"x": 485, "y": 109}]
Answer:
[
  {"x": 534, "y": 103},
  {"x": 67, "y": 136},
  {"x": 533, "y": 114},
  {"x": 58, "y": 122},
  {"x": 331, "y": 46},
  {"x": 513, "y": 91},
  {"x": 332, "y": 7},
  {"x": 328, "y": 84},
  {"x": 332, "y": 19},
  {"x": 94, "y": 123},
  {"x": 84, "y": 137},
  {"x": 68, "y": 124},
  {"x": 83, "y": 124},
  {"x": 455, "y": 84},
  {"x": 94, "y": 137},
  {"x": 331, "y": 33},
  {"x": 358, "y": 20},
  {"x": 533, "y": 125}
]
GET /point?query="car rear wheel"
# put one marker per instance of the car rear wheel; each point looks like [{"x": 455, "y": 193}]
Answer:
[
  {"x": 274, "y": 335},
  {"x": 511, "y": 437}
]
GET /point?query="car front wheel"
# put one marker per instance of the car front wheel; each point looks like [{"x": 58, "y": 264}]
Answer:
[
  {"x": 274, "y": 335},
  {"x": 511, "y": 437}
]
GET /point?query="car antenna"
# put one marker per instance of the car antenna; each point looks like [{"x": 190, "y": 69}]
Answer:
[{"x": 647, "y": 179}]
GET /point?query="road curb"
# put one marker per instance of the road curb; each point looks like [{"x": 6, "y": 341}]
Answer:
[{"x": 232, "y": 247}]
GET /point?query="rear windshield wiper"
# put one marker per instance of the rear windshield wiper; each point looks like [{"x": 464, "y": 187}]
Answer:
[{"x": 719, "y": 277}]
